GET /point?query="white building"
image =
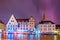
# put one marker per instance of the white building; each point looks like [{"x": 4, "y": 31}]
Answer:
[
  {"x": 46, "y": 26},
  {"x": 11, "y": 27}
]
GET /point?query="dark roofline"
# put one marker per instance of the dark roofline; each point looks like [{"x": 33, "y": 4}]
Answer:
[
  {"x": 57, "y": 26},
  {"x": 42, "y": 22},
  {"x": 20, "y": 20}
]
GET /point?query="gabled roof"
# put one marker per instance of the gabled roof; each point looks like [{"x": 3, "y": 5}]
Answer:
[{"x": 12, "y": 20}]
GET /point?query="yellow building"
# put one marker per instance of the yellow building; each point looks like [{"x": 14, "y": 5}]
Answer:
[{"x": 2, "y": 25}]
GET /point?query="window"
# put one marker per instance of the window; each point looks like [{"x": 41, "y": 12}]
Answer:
[
  {"x": 26, "y": 23},
  {"x": 49, "y": 25},
  {"x": 18, "y": 24},
  {"x": 9, "y": 28},
  {"x": 9, "y": 23},
  {"x": 53, "y": 28},
  {"x": 49, "y": 28},
  {"x": 12, "y": 20},
  {"x": 15, "y": 25},
  {"x": 26, "y": 28},
  {"x": 53, "y": 25},
  {"x": 31, "y": 22},
  {"x": 30, "y": 25},
  {"x": 41, "y": 25},
  {"x": 45, "y": 29},
  {"x": 45, "y": 25},
  {"x": 23, "y": 28},
  {"x": 41, "y": 29},
  {"x": 15, "y": 28}
]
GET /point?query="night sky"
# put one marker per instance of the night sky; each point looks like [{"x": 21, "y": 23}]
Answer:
[{"x": 27, "y": 8}]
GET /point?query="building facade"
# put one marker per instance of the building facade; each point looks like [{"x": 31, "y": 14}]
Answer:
[
  {"x": 11, "y": 27},
  {"x": 46, "y": 26},
  {"x": 16, "y": 26},
  {"x": 26, "y": 24}
]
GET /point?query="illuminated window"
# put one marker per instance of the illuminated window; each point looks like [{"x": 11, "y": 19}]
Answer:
[
  {"x": 15, "y": 28},
  {"x": 10, "y": 28}
]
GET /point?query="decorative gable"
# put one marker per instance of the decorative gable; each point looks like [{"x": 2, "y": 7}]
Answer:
[
  {"x": 31, "y": 19},
  {"x": 12, "y": 21}
]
